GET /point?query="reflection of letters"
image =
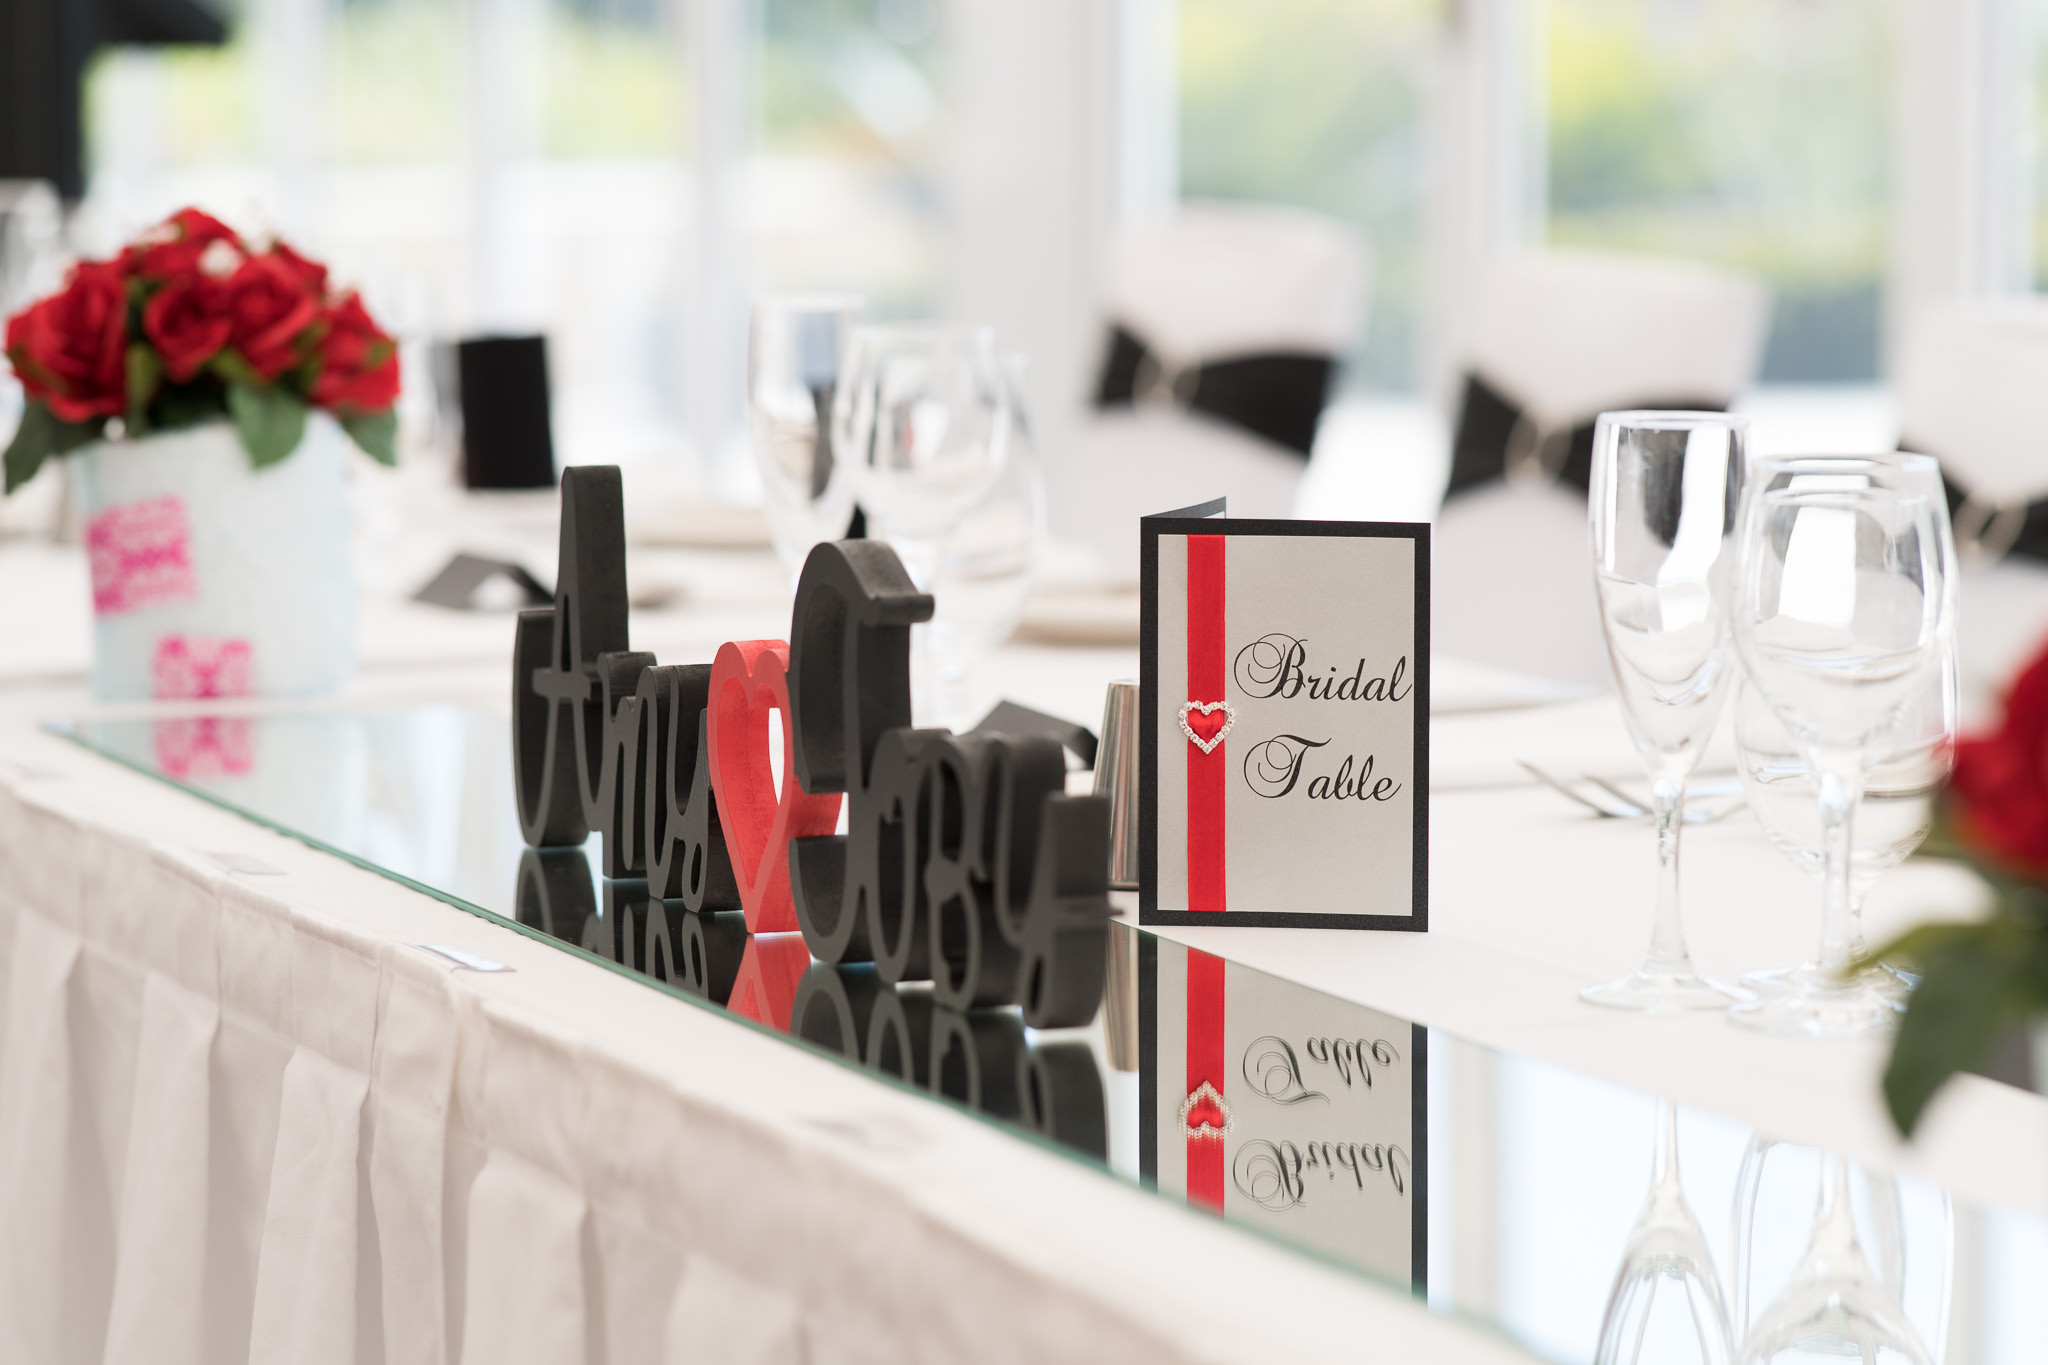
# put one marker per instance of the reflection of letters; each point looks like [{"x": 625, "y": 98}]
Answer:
[
  {"x": 1276, "y": 1175},
  {"x": 1348, "y": 1056},
  {"x": 1271, "y": 1070}
]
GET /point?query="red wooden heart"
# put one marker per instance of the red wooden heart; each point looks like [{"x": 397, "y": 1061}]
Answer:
[
  {"x": 765, "y": 988},
  {"x": 749, "y": 680}
]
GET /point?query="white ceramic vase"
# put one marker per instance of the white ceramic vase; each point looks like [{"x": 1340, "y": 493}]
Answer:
[{"x": 212, "y": 579}]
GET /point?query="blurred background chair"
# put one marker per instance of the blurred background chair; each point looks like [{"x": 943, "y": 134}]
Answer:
[
  {"x": 1973, "y": 392},
  {"x": 1225, "y": 324},
  {"x": 1551, "y": 340}
]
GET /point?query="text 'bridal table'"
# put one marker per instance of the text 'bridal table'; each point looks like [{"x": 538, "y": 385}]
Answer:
[{"x": 304, "y": 1057}]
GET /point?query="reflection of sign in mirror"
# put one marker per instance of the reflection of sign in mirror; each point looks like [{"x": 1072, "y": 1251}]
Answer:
[
  {"x": 965, "y": 863},
  {"x": 1282, "y": 1107}
]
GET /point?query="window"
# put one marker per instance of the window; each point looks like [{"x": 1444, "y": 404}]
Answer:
[
  {"x": 1751, "y": 132},
  {"x": 1320, "y": 104}
]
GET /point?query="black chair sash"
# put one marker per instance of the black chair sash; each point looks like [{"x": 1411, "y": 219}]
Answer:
[
  {"x": 1494, "y": 435},
  {"x": 1278, "y": 396},
  {"x": 1990, "y": 530}
]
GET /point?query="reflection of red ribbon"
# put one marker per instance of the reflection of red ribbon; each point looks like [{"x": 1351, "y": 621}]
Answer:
[
  {"x": 1205, "y": 1064},
  {"x": 765, "y": 988},
  {"x": 1205, "y": 684}
]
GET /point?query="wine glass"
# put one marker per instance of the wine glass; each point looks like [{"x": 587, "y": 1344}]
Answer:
[
  {"x": 793, "y": 356},
  {"x": 925, "y": 422},
  {"x": 1836, "y": 1303},
  {"x": 984, "y": 570},
  {"x": 1664, "y": 493},
  {"x": 1905, "y": 776},
  {"x": 1895, "y": 816},
  {"x": 1844, "y": 618},
  {"x": 1881, "y": 1230},
  {"x": 1668, "y": 1254}
]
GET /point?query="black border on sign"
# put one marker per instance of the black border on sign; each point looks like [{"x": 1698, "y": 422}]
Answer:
[
  {"x": 1207, "y": 519},
  {"x": 1148, "y": 1061},
  {"x": 1418, "y": 1168}
]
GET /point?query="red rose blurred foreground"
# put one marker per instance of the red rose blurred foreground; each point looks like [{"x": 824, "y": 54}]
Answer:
[
  {"x": 359, "y": 364},
  {"x": 175, "y": 246},
  {"x": 271, "y": 308},
  {"x": 187, "y": 321},
  {"x": 69, "y": 349},
  {"x": 1998, "y": 795}
]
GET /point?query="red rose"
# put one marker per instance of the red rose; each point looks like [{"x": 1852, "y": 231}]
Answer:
[
  {"x": 70, "y": 349},
  {"x": 187, "y": 320},
  {"x": 175, "y": 246},
  {"x": 311, "y": 274},
  {"x": 271, "y": 309},
  {"x": 358, "y": 362},
  {"x": 1998, "y": 795}
]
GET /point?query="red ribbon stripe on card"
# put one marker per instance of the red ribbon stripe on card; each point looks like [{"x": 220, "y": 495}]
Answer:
[{"x": 1206, "y": 679}]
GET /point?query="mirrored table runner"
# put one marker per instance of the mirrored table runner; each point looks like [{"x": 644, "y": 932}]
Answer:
[{"x": 1582, "y": 1219}]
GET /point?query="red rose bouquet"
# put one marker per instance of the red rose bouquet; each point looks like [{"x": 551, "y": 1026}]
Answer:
[
  {"x": 191, "y": 324},
  {"x": 1980, "y": 981}
]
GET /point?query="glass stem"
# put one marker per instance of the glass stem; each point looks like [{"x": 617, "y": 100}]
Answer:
[
  {"x": 1668, "y": 955},
  {"x": 1841, "y": 785}
]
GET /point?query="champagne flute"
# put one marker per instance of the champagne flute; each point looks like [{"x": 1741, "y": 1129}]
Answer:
[
  {"x": 1665, "y": 488},
  {"x": 1844, "y": 618},
  {"x": 1667, "y": 1256},
  {"x": 793, "y": 355}
]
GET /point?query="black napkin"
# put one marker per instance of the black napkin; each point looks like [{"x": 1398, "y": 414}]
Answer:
[
  {"x": 506, "y": 437},
  {"x": 455, "y": 586}
]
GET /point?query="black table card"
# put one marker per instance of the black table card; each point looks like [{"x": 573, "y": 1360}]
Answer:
[{"x": 1284, "y": 751}]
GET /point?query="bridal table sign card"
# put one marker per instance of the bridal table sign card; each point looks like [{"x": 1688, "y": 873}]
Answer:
[
  {"x": 1284, "y": 750},
  {"x": 1296, "y": 1112}
]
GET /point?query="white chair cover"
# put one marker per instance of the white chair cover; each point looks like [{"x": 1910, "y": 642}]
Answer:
[
  {"x": 1973, "y": 391},
  {"x": 1566, "y": 335},
  {"x": 1211, "y": 283}
]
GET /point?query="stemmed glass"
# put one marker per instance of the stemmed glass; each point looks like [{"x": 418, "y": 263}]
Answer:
[
  {"x": 1836, "y": 1303},
  {"x": 1844, "y": 619},
  {"x": 1913, "y": 755},
  {"x": 1666, "y": 1253},
  {"x": 1665, "y": 489},
  {"x": 985, "y": 568},
  {"x": 924, "y": 421},
  {"x": 1895, "y": 815},
  {"x": 793, "y": 355}
]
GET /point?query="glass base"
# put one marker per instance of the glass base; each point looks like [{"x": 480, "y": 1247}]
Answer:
[
  {"x": 1894, "y": 984},
  {"x": 1651, "y": 992},
  {"x": 1822, "y": 1007}
]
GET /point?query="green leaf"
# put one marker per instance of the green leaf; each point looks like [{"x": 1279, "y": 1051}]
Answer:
[
  {"x": 270, "y": 421},
  {"x": 42, "y": 433},
  {"x": 1965, "y": 1000},
  {"x": 376, "y": 433},
  {"x": 230, "y": 366},
  {"x": 145, "y": 377}
]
